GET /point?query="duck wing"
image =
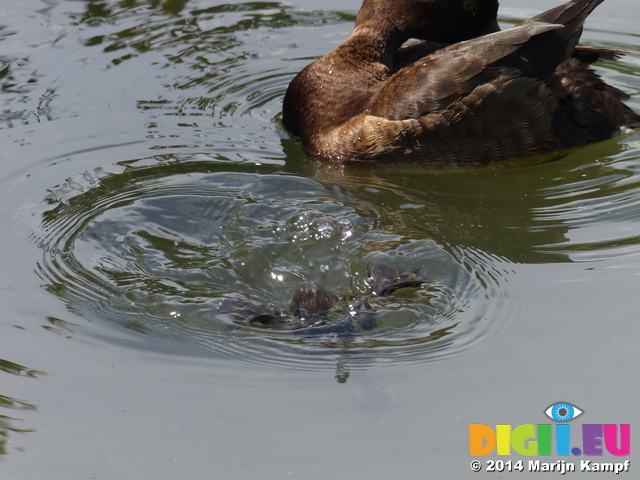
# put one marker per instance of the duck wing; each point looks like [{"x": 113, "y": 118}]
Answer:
[
  {"x": 442, "y": 77},
  {"x": 465, "y": 103},
  {"x": 570, "y": 13},
  {"x": 534, "y": 48},
  {"x": 537, "y": 58}
]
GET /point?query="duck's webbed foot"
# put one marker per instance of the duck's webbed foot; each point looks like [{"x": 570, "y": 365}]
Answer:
[
  {"x": 250, "y": 310},
  {"x": 384, "y": 279}
]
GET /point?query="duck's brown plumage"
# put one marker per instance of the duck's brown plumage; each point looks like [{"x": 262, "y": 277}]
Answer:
[{"x": 495, "y": 95}]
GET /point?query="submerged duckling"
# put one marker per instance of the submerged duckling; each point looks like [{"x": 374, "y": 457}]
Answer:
[
  {"x": 310, "y": 304},
  {"x": 492, "y": 96}
]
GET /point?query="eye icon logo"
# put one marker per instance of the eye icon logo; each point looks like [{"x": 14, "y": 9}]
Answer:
[
  {"x": 563, "y": 412},
  {"x": 530, "y": 440}
]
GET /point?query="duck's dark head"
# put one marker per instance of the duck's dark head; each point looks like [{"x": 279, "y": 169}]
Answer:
[{"x": 443, "y": 21}]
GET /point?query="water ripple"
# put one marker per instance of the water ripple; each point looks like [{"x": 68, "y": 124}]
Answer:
[
  {"x": 228, "y": 208},
  {"x": 598, "y": 208},
  {"x": 158, "y": 250},
  {"x": 226, "y": 66}
]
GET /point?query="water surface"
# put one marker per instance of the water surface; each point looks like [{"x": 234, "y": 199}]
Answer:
[{"x": 147, "y": 178}]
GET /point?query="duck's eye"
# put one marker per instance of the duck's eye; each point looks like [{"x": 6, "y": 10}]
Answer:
[{"x": 469, "y": 7}]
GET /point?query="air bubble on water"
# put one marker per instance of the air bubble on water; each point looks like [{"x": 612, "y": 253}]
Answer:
[
  {"x": 299, "y": 227},
  {"x": 346, "y": 229},
  {"x": 325, "y": 228}
]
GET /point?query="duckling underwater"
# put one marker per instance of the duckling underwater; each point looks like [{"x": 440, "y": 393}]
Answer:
[{"x": 310, "y": 305}]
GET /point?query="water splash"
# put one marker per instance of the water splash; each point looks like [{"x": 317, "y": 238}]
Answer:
[{"x": 157, "y": 251}]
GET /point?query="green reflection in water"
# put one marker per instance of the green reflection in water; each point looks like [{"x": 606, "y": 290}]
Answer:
[
  {"x": 7, "y": 428},
  {"x": 9, "y": 424},
  {"x": 17, "y": 369},
  {"x": 59, "y": 326}
]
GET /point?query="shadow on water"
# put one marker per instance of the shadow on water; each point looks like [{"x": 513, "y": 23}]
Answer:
[{"x": 229, "y": 206}]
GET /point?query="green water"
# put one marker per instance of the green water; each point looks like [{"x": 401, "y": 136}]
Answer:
[{"x": 146, "y": 178}]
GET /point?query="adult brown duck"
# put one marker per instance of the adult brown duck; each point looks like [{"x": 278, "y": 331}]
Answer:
[{"x": 492, "y": 96}]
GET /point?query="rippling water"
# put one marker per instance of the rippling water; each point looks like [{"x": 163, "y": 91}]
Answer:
[
  {"x": 156, "y": 243},
  {"x": 158, "y": 248},
  {"x": 148, "y": 161}
]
